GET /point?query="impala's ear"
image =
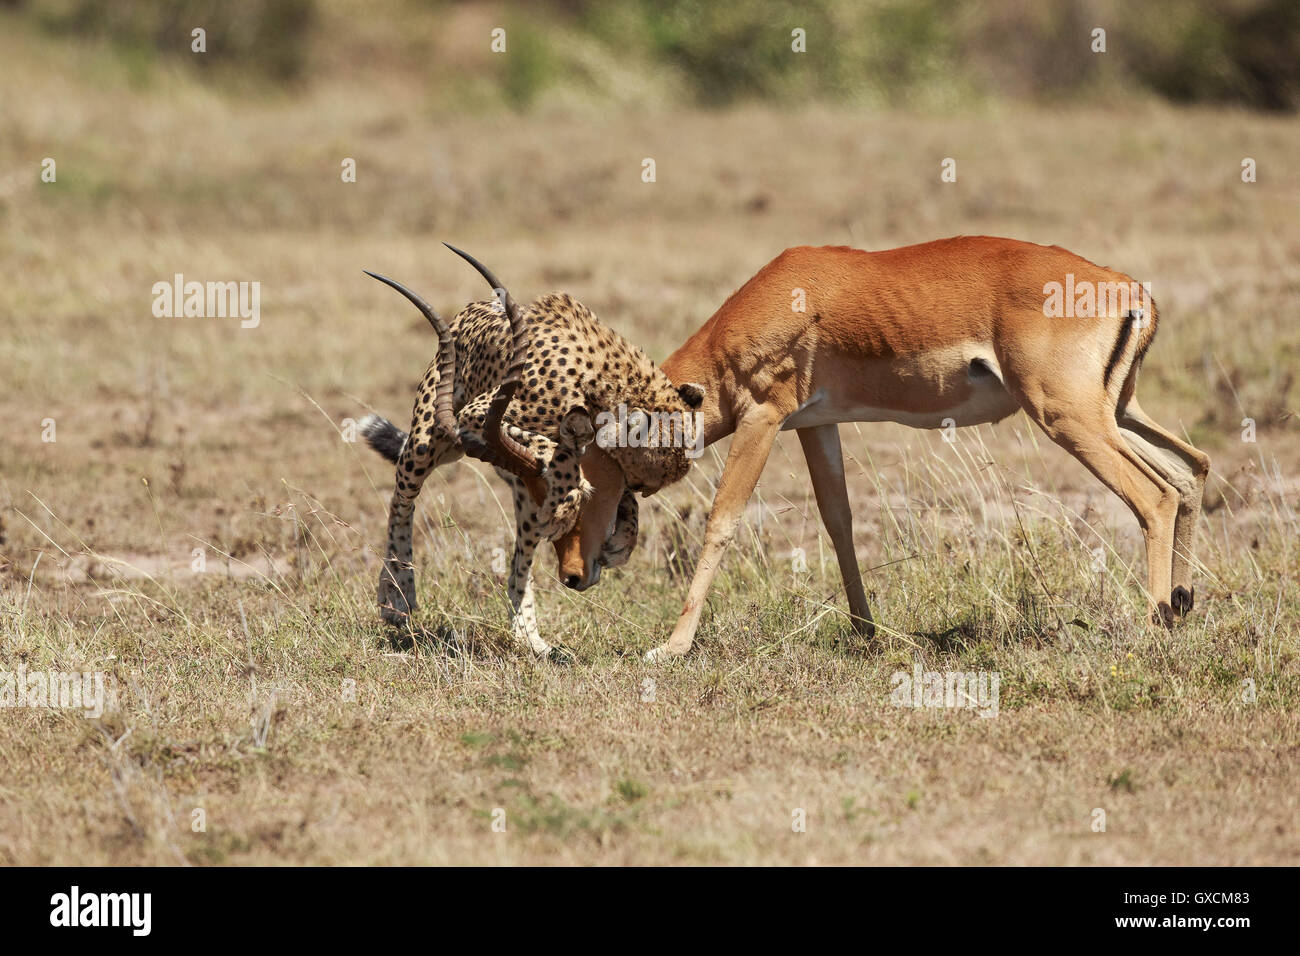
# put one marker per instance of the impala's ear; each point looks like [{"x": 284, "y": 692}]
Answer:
[
  {"x": 692, "y": 394},
  {"x": 576, "y": 430}
]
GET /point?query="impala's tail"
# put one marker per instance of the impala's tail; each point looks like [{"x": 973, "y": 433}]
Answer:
[{"x": 383, "y": 436}]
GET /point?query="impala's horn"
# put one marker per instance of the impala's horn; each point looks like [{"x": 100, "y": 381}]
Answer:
[
  {"x": 497, "y": 447},
  {"x": 497, "y": 285},
  {"x": 444, "y": 415}
]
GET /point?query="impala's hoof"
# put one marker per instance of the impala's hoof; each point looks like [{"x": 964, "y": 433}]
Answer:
[
  {"x": 1182, "y": 599},
  {"x": 660, "y": 654},
  {"x": 1163, "y": 615}
]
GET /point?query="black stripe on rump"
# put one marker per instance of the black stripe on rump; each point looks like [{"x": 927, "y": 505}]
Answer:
[{"x": 1125, "y": 331}]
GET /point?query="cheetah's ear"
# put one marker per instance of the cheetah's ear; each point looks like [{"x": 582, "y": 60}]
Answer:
[
  {"x": 576, "y": 430},
  {"x": 692, "y": 394}
]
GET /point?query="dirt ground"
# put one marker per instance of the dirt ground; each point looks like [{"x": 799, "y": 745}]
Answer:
[{"x": 199, "y": 531}]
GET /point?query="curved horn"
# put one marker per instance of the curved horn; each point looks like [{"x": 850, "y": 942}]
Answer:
[
  {"x": 444, "y": 415},
  {"x": 497, "y": 285},
  {"x": 497, "y": 447}
]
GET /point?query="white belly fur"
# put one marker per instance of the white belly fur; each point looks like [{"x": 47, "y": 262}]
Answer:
[{"x": 988, "y": 401}]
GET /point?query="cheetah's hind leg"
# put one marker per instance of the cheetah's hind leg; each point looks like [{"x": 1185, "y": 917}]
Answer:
[{"x": 416, "y": 455}]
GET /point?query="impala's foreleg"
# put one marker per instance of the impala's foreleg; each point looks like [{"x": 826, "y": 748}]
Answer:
[
  {"x": 749, "y": 451},
  {"x": 821, "y": 448},
  {"x": 1185, "y": 467}
]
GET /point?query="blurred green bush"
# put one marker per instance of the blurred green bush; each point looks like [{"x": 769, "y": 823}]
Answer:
[
  {"x": 1246, "y": 53},
  {"x": 904, "y": 53},
  {"x": 1240, "y": 51},
  {"x": 267, "y": 36}
]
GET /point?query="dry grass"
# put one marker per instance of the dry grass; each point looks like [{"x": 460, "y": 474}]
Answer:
[{"x": 232, "y": 692}]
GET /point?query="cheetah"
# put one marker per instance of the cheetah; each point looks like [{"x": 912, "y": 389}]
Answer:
[{"x": 522, "y": 389}]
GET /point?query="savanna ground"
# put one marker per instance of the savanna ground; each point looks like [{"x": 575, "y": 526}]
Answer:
[{"x": 264, "y": 690}]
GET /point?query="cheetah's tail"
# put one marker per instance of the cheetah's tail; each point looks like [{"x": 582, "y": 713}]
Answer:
[{"x": 383, "y": 436}]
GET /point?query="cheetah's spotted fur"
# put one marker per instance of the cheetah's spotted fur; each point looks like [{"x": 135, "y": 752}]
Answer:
[{"x": 576, "y": 367}]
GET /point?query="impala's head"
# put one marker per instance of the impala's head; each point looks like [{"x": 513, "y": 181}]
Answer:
[
  {"x": 606, "y": 530},
  {"x": 635, "y": 452}
]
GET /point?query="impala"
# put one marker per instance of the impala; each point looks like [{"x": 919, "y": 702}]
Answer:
[{"x": 966, "y": 329}]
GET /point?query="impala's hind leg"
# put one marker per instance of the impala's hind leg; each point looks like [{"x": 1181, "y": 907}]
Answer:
[
  {"x": 1185, "y": 467},
  {"x": 1153, "y": 501},
  {"x": 1088, "y": 430}
]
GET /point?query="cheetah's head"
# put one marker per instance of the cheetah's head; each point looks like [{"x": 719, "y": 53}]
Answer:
[
  {"x": 655, "y": 441},
  {"x": 634, "y": 452}
]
